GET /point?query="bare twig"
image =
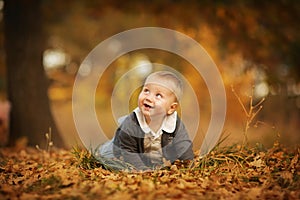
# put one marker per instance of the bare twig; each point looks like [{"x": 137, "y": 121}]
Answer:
[
  {"x": 250, "y": 113},
  {"x": 49, "y": 142}
]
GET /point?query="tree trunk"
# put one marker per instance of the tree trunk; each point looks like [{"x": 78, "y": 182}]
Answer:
[{"x": 26, "y": 80}]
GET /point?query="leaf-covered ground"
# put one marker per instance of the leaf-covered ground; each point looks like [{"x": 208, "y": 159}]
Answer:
[{"x": 226, "y": 173}]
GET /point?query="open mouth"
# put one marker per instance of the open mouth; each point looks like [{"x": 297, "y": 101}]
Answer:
[{"x": 147, "y": 106}]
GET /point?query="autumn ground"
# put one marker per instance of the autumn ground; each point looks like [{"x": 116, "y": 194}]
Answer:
[
  {"x": 231, "y": 172},
  {"x": 228, "y": 172}
]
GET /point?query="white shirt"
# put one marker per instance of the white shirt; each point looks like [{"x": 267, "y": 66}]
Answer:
[{"x": 168, "y": 125}]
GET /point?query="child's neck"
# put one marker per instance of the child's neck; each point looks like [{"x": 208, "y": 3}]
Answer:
[{"x": 155, "y": 123}]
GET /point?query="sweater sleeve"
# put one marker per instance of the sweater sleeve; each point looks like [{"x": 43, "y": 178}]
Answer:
[
  {"x": 127, "y": 145},
  {"x": 182, "y": 144}
]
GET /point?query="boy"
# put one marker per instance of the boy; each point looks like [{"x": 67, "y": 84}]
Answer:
[{"x": 153, "y": 132}]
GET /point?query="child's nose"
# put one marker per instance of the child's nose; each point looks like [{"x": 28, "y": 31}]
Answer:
[{"x": 149, "y": 97}]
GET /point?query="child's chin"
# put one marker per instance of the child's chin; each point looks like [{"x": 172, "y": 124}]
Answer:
[
  {"x": 156, "y": 115},
  {"x": 146, "y": 113}
]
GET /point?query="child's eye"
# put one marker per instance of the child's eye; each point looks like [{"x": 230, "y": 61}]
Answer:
[
  {"x": 159, "y": 96},
  {"x": 146, "y": 91}
]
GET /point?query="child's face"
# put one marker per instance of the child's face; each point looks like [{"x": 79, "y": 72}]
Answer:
[{"x": 156, "y": 101}]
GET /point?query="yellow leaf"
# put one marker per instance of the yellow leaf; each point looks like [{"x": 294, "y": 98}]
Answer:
[
  {"x": 182, "y": 184},
  {"x": 147, "y": 185}
]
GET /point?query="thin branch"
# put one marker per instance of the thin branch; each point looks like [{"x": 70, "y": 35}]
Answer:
[{"x": 240, "y": 101}]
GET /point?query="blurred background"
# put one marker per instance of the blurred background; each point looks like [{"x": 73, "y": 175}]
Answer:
[{"x": 255, "y": 45}]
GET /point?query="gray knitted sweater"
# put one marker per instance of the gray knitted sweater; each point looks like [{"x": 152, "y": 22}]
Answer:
[{"x": 129, "y": 143}]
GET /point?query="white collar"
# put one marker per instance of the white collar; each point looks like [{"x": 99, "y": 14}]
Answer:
[{"x": 168, "y": 125}]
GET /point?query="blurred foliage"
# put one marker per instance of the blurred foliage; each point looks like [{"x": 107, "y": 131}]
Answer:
[
  {"x": 251, "y": 42},
  {"x": 261, "y": 32}
]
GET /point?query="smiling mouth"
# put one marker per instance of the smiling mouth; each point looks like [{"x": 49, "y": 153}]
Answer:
[{"x": 147, "y": 106}]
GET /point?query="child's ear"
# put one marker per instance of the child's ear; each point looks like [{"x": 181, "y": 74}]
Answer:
[{"x": 172, "y": 108}]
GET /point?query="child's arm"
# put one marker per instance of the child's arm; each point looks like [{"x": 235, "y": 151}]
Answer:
[
  {"x": 129, "y": 148},
  {"x": 180, "y": 147},
  {"x": 183, "y": 144}
]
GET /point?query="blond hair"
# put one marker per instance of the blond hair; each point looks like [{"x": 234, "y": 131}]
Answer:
[{"x": 168, "y": 80}]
